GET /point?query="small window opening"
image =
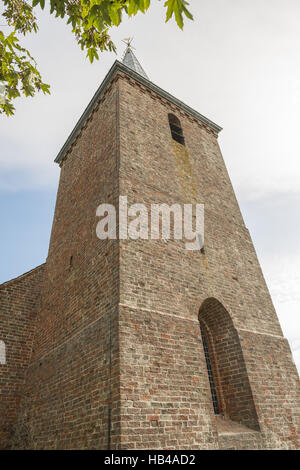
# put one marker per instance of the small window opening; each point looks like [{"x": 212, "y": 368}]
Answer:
[
  {"x": 176, "y": 129},
  {"x": 210, "y": 373},
  {"x": 2, "y": 353}
]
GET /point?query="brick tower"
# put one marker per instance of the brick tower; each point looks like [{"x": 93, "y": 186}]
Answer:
[{"x": 142, "y": 344}]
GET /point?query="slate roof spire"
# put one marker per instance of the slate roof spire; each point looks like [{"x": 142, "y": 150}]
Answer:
[{"x": 130, "y": 60}]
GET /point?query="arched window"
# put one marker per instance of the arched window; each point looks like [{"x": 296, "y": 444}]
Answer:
[
  {"x": 210, "y": 372},
  {"x": 176, "y": 129},
  {"x": 227, "y": 373},
  {"x": 2, "y": 353}
]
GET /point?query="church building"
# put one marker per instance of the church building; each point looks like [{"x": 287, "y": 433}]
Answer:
[{"x": 123, "y": 343}]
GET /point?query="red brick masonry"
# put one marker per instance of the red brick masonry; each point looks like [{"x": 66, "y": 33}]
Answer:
[{"x": 103, "y": 341}]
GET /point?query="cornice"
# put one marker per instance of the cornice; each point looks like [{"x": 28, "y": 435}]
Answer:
[{"x": 119, "y": 67}]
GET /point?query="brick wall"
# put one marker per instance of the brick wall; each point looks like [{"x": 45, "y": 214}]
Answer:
[
  {"x": 19, "y": 303},
  {"x": 165, "y": 393},
  {"x": 275, "y": 385},
  {"x": 71, "y": 392},
  {"x": 118, "y": 360}
]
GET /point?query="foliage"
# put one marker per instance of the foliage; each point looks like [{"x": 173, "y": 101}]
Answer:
[{"x": 90, "y": 20}]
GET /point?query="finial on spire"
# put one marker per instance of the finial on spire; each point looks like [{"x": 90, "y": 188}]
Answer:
[
  {"x": 128, "y": 42},
  {"x": 130, "y": 60}
]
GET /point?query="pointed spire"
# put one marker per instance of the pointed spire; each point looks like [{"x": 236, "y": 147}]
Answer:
[{"x": 130, "y": 60}]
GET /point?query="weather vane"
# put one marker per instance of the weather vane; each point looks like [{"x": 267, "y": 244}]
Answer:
[{"x": 128, "y": 42}]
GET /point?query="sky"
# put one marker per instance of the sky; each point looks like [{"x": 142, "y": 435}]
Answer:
[{"x": 238, "y": 63}]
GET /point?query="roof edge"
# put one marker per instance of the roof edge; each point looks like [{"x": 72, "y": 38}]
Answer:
[
  {"x": 139, "y": 78},
  {"x": 21, "y": 276}
]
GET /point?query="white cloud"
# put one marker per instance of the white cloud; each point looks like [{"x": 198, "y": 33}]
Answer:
[
  {"x": 237, "y": 63},
  {"x": 282, "y": 274}
]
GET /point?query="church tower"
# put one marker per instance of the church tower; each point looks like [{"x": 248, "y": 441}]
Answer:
[{"x": 141, "y": 343}]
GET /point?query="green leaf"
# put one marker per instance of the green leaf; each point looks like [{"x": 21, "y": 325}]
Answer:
[
  {"x": 114, "y": 14},
  {"x": 177, "y": 7},
  {"x": 90, "y": 55},
  {"x": 186, "y": 11},
  {"x": 132, "y": 8},
  {"x": 91, "y": 22}
]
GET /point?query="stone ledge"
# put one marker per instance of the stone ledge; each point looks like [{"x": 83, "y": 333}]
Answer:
[{"x": 227, "y": 427}]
